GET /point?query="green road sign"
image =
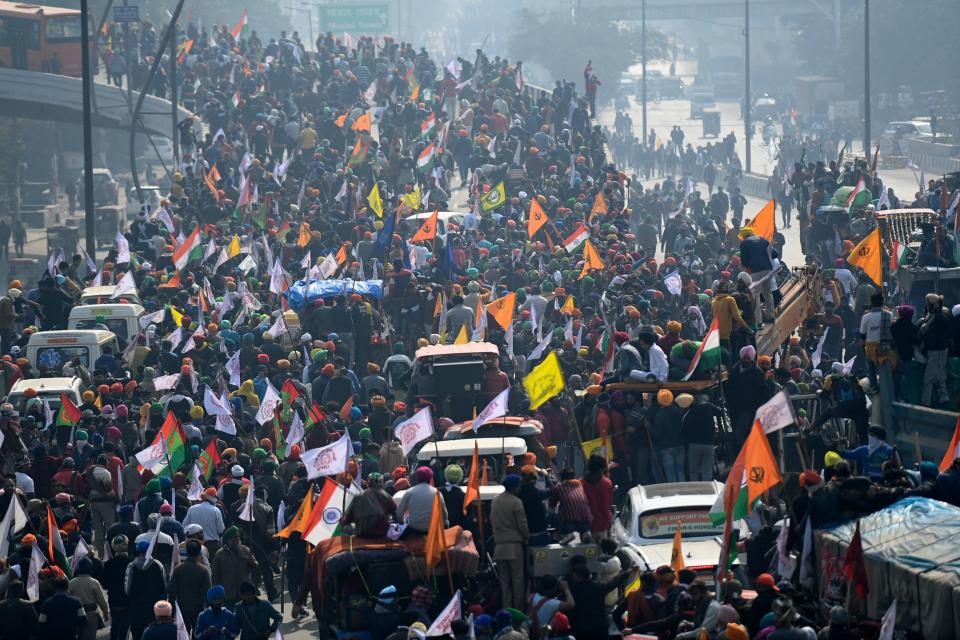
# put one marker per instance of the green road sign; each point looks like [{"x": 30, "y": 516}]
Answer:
[{"x": 360, "y": 18}]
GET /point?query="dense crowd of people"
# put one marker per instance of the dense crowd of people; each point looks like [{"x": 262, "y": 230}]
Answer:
[{"x": 296, "y": 268}]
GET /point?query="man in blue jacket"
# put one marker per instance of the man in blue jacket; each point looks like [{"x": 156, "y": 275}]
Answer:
[
  {"x": 872, "y": 455},
  {"x": 756, "y": 255}
]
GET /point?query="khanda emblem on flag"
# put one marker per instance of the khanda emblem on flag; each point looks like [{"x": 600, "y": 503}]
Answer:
[
  {"x": 864, "y": 251},
  {"x": 757, "y": 474}
]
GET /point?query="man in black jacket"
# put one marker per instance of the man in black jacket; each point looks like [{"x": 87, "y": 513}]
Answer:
[{"x": 934, "y": 335}]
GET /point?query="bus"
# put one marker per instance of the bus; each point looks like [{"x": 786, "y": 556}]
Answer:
[{"x": 35, "y": 38}]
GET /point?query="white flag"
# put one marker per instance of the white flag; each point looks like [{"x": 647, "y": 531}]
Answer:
[
  {"x": 442, "y": 624},
  {"x": 152, "y": 318},
  {"x": 123, "y": 249},
  {"x": 278, "y": 328},
  {"x": 33, "y": 574},
  {"x": 776, "y": 413},
  {"x": 786, "y": 564},
  {"x": 674, "y": 283},
  {"x": 328, "y": 267},
  {"x": 195, "y": 492},
  {"x": 848, "y": 365},
  {"x": 182, "y": 633},
  {"x": 233, "y": 368},
  {"x": 15, "y": 518},
  {"x": 295, "y": 435},
  {"x": 888, "y": 622},
  {"x": 212, "y": 404},
  {"x": 153, "y": 540},
  {"x": 329, "y": 460},
  {"x": 153, "y": 456},
  {"x": 540, "y": 348},
  {"x": 81, "y": 551},
  {"x": 48, "y": 418},
  {"x": 175, "y": 338},
  {"x": 818, "y": 352},
  {"x": 414, "y": 430},
  {"x": 126, "y": 285},
  {"x": 268, "y": 406},
  {"x": 371, "y": 92},
  {"x": 497, "y": 408},
  {"x": 277, "y": 279},
  {"x": 246, "y": 514},
  {"x": 164, "y": 383},
  {"x": 807, "y": 569},
  {"x": 165, "y": 218}
]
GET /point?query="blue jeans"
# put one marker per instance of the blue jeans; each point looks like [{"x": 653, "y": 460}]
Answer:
[{"x": 673, "y": 464}]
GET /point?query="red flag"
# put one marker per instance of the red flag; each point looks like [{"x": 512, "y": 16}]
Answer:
[
  {"x": 345, "y": 409},
  {"x": 953, "y": 451},
  {"x": 854, "y": 568}
]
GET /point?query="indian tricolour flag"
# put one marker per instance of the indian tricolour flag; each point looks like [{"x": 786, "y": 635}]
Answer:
[
  {"x": 236, "y": 99},
  {"x": 718, "y": 512},
  {"x": 425, "y": 159},
  {"x": 327, "y": 512},
  {"x": 709, "y": 346},
  {"x": 188, "y": 250},
  {"x": 575, "y": 239},
  {"x": 428, "y": 125},
  {"x": 861, "y": 186},
  {"x": 898, "y": 257}
]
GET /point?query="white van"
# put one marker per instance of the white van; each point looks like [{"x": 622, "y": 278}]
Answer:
[
  {"x": 102, "y": 295},
  {"x": 53, "y": 349},
  {"x": 48, "y": 389},
  {"x": 122, "y": 319}
]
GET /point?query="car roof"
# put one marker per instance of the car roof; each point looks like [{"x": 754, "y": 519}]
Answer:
[
  {"x": 674, "y": 495},
  {"x": 41, "y": 384},
  {"x": 471, "y": 348},
  {"x": 464, "y": 448},
  {"x": 99, "y": 334},
  {"x": 522, "y": 427},
  {"x": 101, "y": 171}
]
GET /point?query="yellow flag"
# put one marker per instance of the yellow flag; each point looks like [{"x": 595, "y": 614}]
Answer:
[
  {"x": 300, "y": 520},
  {"x": 591, "y": 259},
  {"x": 596, "y": 447},
  {"x": 545, "y": 381},
  {"x": 676, "y": 553},
  {"x": 494, "y": 198},
  {"x": 867, "y": 256},
  {"x": 234, "y": 248},
  {"x": 177, "y": 316},
  {"x": 375, "y": 202},
  {"x": 567, "y": 307},
  {"x": 412, "y": 199},
  {"x": 462, "y": 337}
]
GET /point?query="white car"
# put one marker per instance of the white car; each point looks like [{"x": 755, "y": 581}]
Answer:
[
  {"x": 151, "y": 198},
  {"x": 650, "y": 518}
]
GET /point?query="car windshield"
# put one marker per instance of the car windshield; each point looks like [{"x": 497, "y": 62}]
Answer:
[{"x": 693, "y": 521}]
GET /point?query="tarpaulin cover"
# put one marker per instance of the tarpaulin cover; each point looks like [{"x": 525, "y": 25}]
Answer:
[
  {"x": 842, "y": 193},
  {"x": 912, "y": 551},
  {"x": 302, "y": 291}
]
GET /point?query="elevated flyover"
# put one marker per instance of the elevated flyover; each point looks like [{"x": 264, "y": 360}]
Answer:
[{"x": 46, "y": 96}]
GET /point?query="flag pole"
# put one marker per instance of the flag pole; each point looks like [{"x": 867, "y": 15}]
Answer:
[{"x": 483, "y": 543}]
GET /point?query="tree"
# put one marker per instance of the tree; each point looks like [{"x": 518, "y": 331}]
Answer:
[{"x": 563, "y": 47}]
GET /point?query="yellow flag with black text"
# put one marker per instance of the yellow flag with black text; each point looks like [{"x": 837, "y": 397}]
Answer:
[
  {"x": 376, "y": 203},
  {"x": 868, "y": 256},
  {"x": 545, "y": 381}
]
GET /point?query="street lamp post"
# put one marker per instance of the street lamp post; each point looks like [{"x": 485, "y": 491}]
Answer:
[
  {"x": 89, "y": 211},
  {"x": 866, "y": 79},
  {"x": 309, "y": 12},
  {"x": 643, "y": 62},
  {"x": 747, "y": 124}
]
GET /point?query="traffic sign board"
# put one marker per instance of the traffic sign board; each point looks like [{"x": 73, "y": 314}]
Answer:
[
  {"x": 126, "y": 14},
  {"x": 361, "y": 18}
]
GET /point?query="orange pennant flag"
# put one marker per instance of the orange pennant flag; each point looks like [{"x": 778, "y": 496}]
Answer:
[
  {"x": 342, "y": 120},
  {"x": 953, "y": 451},
  {"x": 304, "y": 238},
  {"x": 362, "y": 123},
  {"x": 173, "y": 282},
  {"x": 764, "y": 224},
  {"x": 759, "y": 465},
  {"x": 868, "y": 256},
  {"x": 591, "y": 259},
  {"x": 436, "y": 541},
  {"x": 473, "y": 482},
  {"x": 428, "y": 230},
  {"x": 342, "y": 254},
  {"x": 345, "y": 409},
  {"x": 214, "y": 173},
  {"x": 208, "y": 180},
  {"x": 299, "y": 522},
  {"x": 676, "y": 553},
  {"x": 599, "y": 205},
  {"x": 538, "y": 218},
  {"x": 502, "y": 309}
]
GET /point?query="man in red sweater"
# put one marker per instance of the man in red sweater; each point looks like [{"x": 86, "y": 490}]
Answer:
[{"x": 599, "y": 490}]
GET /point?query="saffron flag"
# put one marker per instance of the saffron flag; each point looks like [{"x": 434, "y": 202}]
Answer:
[
  {"x": 502, "y": 309},
  {"x": 544, "y": 381},
  {"x": 868, "y": 256},
  {"x": 591, "y": 259},
  {"x": 760, "y": 467},
  {"x": 599, "y": 205},
  {"x": 362, "y": 123},
  {"x": 436, "y": 543},
  {"x": 428, "y": 230},
  {"x": 953, "y": 451},
  {"x": 676, "y": 552},
  {"x": 300, "y": 520},
  {"x": 473, "y": 481},
  {"x": 537, "y": 219},
  {"x": 764, "y": 224}
]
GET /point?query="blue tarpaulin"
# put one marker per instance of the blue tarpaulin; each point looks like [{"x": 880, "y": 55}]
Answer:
[{"x": 301, "y": 291}]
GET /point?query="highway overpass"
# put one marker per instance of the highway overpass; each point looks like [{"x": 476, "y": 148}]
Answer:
[{"x": 45, "y": 96}]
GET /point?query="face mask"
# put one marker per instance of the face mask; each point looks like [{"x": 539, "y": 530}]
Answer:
[{"x": 873, "y": 443}]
